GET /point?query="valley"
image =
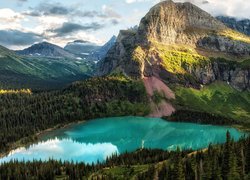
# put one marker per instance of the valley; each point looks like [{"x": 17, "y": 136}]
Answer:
[{"x": 168, "y": 99}]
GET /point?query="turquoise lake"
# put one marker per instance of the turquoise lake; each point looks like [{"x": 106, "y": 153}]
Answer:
[{"x": 96, "y": 139}]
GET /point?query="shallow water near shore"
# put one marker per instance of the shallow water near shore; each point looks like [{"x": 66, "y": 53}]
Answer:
[{"x": 97, "y": 139}]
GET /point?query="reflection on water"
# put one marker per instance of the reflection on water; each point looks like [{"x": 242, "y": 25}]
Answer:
[
  {"x": 97, "y": 139},
  {"x": 66, "y": 150}
]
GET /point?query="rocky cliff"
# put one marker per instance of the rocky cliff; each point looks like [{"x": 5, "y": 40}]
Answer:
[{"x": 180, "y": 43}]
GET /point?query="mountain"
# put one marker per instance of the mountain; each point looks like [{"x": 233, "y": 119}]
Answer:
[
  {"x": 187, "y": 59},
  {"x": 242, "y": 26},
  {"x": 82, "y": 48},
  {"x": 39, "y": 72},
  {"x": 90, "y": 51},
  {"x": 171, "y": 39},
  {"x": 101, "y": 52},
  {"x": 46, "y": 49}
]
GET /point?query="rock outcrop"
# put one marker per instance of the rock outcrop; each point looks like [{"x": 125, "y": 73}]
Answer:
[
  {"x": 180, "y": 43},
  {"x": 181, "y": 23}
]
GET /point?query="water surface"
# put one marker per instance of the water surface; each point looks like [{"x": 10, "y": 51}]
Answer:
[{"x": 97, "y": 139}]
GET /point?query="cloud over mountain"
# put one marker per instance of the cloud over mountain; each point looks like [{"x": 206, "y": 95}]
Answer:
[
  {"x": 235, "y": 8},
  {"x": 10, "y": 37},
  {"x": 68, "y": 28}
]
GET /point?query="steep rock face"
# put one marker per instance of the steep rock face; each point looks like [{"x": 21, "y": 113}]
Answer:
[
  {"x": 101, "y": 52},
  {"x": 224, "y": 44},
  {"x": 237, "y": 77},
  {"x": 180, "y": 43},
  {"x": 183, "y": 23},
  {"x": 119, "y": 56}
]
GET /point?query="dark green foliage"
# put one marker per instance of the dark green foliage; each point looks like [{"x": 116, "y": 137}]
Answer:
[
  {"x": 200, "y": 117},
  {"x": 23, "y": 115},
  {"x": 247, "y": 157},
  {"x": 148, "y": 175},
  {"x": 178, "y": 167}
]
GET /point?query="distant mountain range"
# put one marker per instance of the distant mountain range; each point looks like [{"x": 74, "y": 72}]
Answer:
[
  {"x": 100, "y": 53},
  {"x": 39, "y": 72},
  {"x": 48, "y": 66},
  {"x": 242, "y": 26},
  {"x": 82, "y": 48},
  {"x": 78, "y": 49},
  {"x": 90, "y": 50}
]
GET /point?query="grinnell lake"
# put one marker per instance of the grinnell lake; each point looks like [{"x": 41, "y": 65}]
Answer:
[{"x": 97, "y": 139}]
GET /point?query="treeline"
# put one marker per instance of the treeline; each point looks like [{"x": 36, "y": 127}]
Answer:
[
  {"x": 24, "y": 114},
  {"x": 200, "y": 117},
  {"x": 230, "y": 161}
]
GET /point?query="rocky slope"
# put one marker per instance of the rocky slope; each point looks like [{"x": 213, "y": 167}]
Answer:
[
  {"x": 242, "y": 26},
  {"x": 180, "y": 43}
]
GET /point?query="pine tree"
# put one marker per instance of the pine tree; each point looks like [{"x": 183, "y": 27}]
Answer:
[
  {"x": 178, "y": 173},
  {"x": 247, "y": 163},
  {"x": 226, "y": 157},
  {"x": 229, "y": 170}
]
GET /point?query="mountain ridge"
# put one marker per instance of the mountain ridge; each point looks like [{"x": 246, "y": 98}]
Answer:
[
  {"x": 45, "y": 49},
  {"x": 19, "y": 71}
]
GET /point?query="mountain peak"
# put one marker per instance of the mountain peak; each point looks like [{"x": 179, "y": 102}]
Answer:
[
  {"x": 170, "y": 22},
  {"x": 179, "y": 43},
  {"x": 45, "y": 49}
]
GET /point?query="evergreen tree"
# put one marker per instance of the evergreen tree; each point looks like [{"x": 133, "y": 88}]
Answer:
[
  {"x": 247, "y": 162},
  {"x": 178, "y": 173}
]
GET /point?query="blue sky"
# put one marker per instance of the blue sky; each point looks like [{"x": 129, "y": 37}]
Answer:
[{"x": 24, "y": 22}]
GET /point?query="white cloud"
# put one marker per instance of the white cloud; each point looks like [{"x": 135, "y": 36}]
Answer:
[
  {"x": 62, "y": 41},
  {"x": 65, "y": 150},
  {"x": 234, "y": 8},
  {"x": 10, "y": 19},
  {"x": 109, "y": 13},
  {"x": 133, "y": 1},
  {"x": 8, "y": 15}
]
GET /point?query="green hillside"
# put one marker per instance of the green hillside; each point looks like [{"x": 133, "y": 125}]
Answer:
[
  {"x": 31, "y": 72},
  {"x": 24, "y": 113},
  {"x": 217, "y": 98}
]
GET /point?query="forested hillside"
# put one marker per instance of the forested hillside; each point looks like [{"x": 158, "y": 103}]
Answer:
[{"x": 23, "y": 113}]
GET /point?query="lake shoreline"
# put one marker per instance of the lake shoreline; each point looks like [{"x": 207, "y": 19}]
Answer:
[
  {"x": 190, "y": 116},
  {"x": 35, "y": 138}
]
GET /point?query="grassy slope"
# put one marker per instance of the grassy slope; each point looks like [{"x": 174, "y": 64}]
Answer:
[
  {"x": 121, "y": 172},
  {"x": 217, "y": 98},
  {"x": 30, "y": 72}
]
